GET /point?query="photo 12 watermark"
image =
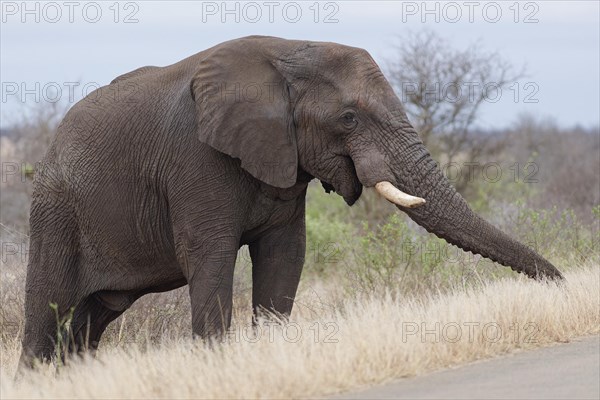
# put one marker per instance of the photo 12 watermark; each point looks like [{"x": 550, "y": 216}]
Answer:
[
  {"x": 470, "y": 11},
  {"x": 469, "y": 331},
  {"x": 68, "y": 92},
  {"x": 470, "y": 92},
  {"x": 53, "y": 12},
  {"x": 290, "y": 332},
  {"x": 491, "y": 171},
  {"x": 253, "y": 12}
]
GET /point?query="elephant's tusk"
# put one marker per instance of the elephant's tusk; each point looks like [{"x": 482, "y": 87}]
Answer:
[{"x": 396, "y": 196}]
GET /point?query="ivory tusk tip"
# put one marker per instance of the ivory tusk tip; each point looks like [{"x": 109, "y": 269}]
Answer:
[{"x": 417, "y": 203}]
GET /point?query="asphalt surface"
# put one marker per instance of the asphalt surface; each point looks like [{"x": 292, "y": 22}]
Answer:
[{"x": 564, "y": 371}]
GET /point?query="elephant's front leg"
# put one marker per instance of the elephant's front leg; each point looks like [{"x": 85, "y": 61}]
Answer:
[
  {"x": 277, "y": 261},
  {"x": 210, "y": 279}
]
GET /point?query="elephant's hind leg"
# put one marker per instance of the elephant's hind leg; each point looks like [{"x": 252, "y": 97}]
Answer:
[{"x": 92, "y": 317}]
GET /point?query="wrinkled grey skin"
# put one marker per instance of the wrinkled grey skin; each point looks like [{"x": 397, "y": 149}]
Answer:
[{"x": 156, "y": 180}]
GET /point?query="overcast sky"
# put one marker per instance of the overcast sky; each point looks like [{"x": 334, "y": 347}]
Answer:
[{"x": 52, "y": 44}]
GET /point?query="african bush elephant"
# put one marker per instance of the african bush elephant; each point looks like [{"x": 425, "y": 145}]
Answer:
[{"x": 156, "y": 180}]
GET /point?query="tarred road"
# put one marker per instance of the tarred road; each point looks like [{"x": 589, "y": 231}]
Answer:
[{"x": 565, "y": 371}]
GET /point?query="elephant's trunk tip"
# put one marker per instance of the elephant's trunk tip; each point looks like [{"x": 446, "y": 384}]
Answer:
[{"x": 398, "y": 197}]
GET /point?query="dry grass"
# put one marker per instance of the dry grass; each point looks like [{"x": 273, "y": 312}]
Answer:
[{"x": 358, "y": 342}]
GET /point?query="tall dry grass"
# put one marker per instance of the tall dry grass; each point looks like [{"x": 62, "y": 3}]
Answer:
[{"x": 332, "y": 345}]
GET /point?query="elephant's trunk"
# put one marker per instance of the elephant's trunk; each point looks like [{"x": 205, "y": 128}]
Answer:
[{"x": 446, "y": 214}]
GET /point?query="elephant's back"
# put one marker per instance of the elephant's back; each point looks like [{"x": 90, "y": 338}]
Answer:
[
  {"x": 123, "y": 120},
  {"x": 142, "y": 71}
]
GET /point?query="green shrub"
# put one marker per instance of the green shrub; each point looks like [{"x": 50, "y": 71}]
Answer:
[
  {"x": 394, "y": 256},
  {"x": 328, "y": 233},
  {"x": 558, "y": 234}
]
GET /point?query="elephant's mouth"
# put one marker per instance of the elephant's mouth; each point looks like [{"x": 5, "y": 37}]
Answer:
[
  {"x": 345, "y": 182},
  {"x": 349, "y": 197}
]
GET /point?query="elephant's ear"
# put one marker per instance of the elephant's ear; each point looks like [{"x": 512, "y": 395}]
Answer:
[{"x": 243, "y": 109}]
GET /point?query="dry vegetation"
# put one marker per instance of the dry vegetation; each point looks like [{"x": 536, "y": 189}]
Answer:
[{"x": 333, "y": 345}]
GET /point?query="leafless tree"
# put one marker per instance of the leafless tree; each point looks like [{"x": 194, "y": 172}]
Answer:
[
  {"x": 443, "y": 90},
  {"x": 23, "y": 145}
]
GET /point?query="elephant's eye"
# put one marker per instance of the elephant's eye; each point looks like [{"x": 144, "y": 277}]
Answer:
[{"x": 349, "y": 119}]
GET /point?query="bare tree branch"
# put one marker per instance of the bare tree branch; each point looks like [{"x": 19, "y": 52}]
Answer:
[{"x": 443, "y": 90}]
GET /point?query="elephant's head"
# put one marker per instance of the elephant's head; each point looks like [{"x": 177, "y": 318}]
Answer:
[{"x": 283, "y": 106}]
